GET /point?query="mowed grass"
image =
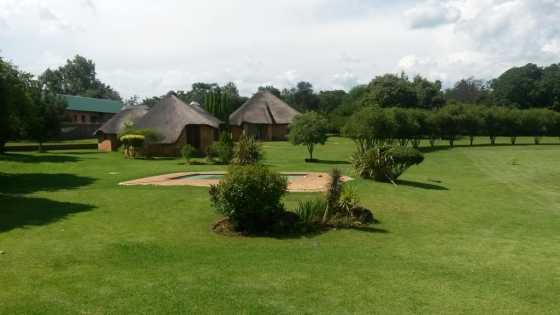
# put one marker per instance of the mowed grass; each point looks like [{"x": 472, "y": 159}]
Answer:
[{"x": 471, "y": 230}]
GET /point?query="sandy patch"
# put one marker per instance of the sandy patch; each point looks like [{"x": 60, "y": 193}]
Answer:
[{"x": 297, "y": 181}]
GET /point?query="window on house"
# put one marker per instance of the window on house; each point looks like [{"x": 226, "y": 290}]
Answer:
[{"x": 83, "y": 118}]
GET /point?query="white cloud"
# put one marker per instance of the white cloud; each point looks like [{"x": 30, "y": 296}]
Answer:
[
  {"x": 432, "y": 14},
  {"x": 146, "y": 47}
]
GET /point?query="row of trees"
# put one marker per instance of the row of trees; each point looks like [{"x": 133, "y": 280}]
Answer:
[
  {"x": 28, "y": 109},
  {"x": 375, "y": 126}
]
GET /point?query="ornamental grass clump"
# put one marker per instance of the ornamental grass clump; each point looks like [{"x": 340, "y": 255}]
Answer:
[{"x": 385, "y": 163}]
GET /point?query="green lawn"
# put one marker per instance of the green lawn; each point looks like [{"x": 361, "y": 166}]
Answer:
[{"x": 471, "y": 230}]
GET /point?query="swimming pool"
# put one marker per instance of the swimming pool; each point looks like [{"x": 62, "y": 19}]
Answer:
[{"x": 204, "y": 176}]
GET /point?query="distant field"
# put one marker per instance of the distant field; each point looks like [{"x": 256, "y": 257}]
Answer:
[{"x": 471, "y": 230}]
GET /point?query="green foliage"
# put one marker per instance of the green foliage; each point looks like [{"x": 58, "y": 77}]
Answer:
[
  {"x": 223, "y": 150},
  {"x": 247, "y": 151},
  {"x": 311, "y": 212},
  {"x": 349, "y": 198},
  {"x": 15, "y": 102},
  {"x": 188, "y": 152},
  {"x": 77, "y": 77},
  {"x": 135, "y": 141},
  {"x": 250, "y": 196},
  {"x": 309, "y": 129},
  {"x": 385, "y": 163},
  {"x": 369, "y": 127},
  {"x": 45, "y": 116}
]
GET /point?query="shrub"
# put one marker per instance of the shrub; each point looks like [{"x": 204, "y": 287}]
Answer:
[
  {"x": 188, "y": 152},
  {"x": 135, "y": 141},
  {"x": 250, "y": 196},
  {"x": 247, "y": 151},
  {"x": 223, "y": 149},
  {"x": 385, "y": 163},
  {"x": 402, "y": 159},
  {"x": 132, "y": 144}
]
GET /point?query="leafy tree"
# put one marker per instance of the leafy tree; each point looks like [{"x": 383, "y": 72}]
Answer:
[
  {"x": 473, "y": 122},
  {"x": 493, "y": 122},
  {"x": 330, "y": 100},
  {"x": 302, "y": 97},
  {"x": 428, "y": 94},
  {"x": 14, "y": 102},
  {"x": 309, "y": 129},
  {"x": 535, "y": 123},
  {"x": 512, "y": 124},
  {"x": 519, "y": 87},
  {"x": 450, "y": 121},
  {"x": 369, "y": 127},
  {"x": 390, "y": 90},
  {"x": 468, "y": 91},
  {"x": 45, "y": 115},
  {"x": 353, "y": 102},
  {"x": 77, "y": 77},
  {"x": 406, "y": 127}
]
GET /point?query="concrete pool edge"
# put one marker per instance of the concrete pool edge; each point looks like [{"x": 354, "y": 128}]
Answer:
[{"x": 308, "y": 182}]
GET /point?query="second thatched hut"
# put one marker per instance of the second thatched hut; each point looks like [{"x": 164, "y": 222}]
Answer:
[{"x": 264, "y": 116}]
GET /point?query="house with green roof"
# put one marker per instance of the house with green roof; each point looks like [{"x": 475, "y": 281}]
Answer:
[{"x": 84, "y": 115}]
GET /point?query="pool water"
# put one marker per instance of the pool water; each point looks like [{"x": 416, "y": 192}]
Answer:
[{"x": 221, "y": 176}]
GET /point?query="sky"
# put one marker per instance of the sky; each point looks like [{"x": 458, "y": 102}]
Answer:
[{"x": 147, "y": 48}]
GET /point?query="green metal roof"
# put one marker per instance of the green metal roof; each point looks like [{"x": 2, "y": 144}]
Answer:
[{"x": 88, "y": 104}]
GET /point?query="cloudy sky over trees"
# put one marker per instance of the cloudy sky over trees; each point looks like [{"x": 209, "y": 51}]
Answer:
[{"x": 148, "y": 47}]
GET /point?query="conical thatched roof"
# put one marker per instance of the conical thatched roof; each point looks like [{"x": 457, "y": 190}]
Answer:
[
  {"x": 129, "y": 115},
  {"x": 263, "y": 108},
  {"x": 170, "y": 116}
]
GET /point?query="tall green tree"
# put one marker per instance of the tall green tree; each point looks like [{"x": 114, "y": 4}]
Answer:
[
  {"x": 14, "y": 102},
  {"x": 77, "y": 77},
  {"x": 469, "y": 91},
  {"x": 45, "y": 115}
]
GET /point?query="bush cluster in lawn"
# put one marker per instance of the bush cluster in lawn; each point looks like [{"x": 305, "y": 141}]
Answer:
[
  {"x": 188, "y": 152},
  {"x": 250, "y": 197},
  {"x": 385, "y": 163}
]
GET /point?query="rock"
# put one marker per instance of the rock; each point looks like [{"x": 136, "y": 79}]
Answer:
[{"x": 363, "y": 215}]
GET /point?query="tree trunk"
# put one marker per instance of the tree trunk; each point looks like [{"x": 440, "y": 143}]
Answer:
[
  {"x": 310, "y": 149},
  {"x": 2, "y": 147},
  {"x": 451, "y": 141},
  {"x": 472, "y": 140},
  {"x": 537, "y": 140},
  {"x": 492, "y": 140},
  {"x": 41, "y": 149},
  {"x": 513, "y": 140}
]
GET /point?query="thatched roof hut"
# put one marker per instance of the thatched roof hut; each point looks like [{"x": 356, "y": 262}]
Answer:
[
  {"x": 178, "y": 123},
  {"x": 129, "y": 115},
  {"x": 108, "y": 132},
  {"x": 264, "y": 116}
]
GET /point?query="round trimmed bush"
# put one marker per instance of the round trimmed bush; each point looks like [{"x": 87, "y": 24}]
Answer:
[{"x": 250, "y": 196}]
